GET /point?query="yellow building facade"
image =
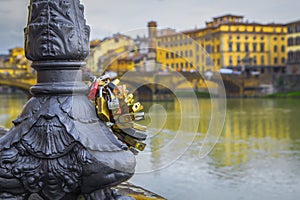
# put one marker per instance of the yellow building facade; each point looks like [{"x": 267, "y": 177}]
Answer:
[
  {"x": 293, "y": 48},
  {"x": 122, "y": 65},
  {"x": 177, "y": 52},
  {"x": 104, "y": 54},
  {"x": 17, "y": 63},
  {"x": 230, "y": 43}
]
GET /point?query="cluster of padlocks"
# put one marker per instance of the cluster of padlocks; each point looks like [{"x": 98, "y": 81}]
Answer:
[{"x": 116, "y": 107}]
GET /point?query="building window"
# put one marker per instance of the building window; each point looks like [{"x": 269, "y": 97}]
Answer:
[
  {"x": 238, "y": 60},
  {"x": 246, "y": 47},
  {"x": 158, "y": 43},
  {"x": 167, "y": 55},
  {"x": 290, "y": 41},
  {"x": 262, "y": 47},
  {"x": 218, "y": 48},
  {"x": 172, "y": 55},
  {"x": 238, "y": 37},
  {"x": 290, "y": 56},
  {"x": 197, "y": 59},
  {"x": 297, "y": 40},
  {"x": 238, "y": 47},
  {"x": 186, "y": 65},
  {"x": 172, "y": 65},
  {"x": 177, "y": 66},
  {"x": 254, "y": 47},
  {"x": 186, "y": 53},
  {"x": 290, "y": 29},
  {"x": 181, "y": 53},
  {"x": 230, "y": 46},
  {"x": 282, "y": 60},
  {"x": 275, "y": 60},
  {"x": 262, "y": 60},
  {"x": 230, "y": 60},
  {"x": 254, "y": 60},
  {"x": 191, "y": 53},
  {"x": 297, "y": 59},
  {"x": 219, "y": 62},
  {"x": 181, "y": 65},
  {"x": 246, "y": 37},
  {"x": 282, "y": 48},
  {"x": 197, "y": 47},
  {"x": 208, "y": 48},
  {"x": 254, "y": 37},
  {"x": 297, "y": 28},
  {"x": 275, "y": 38},
  {"x": 275, "y": 48},
  {"x": 262, "y": 37},
  {"x": 208, "y": 61}
]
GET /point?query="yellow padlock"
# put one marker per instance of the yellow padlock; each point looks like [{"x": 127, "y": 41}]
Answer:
[
  {"x": 116, "y": 82},
  {"x": 137, "y": 107},
  {"x": 102, "y": 107},
  {"x": 129, "y": 99}
]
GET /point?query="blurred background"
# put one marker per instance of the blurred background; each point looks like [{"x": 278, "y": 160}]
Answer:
[{"x": 253, "y": 47}]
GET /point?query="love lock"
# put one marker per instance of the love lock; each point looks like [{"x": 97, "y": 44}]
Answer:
[
  {"x": 102, "y": 107},
  {"x": 113, "y": 102}
]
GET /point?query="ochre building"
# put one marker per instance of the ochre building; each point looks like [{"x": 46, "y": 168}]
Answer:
[
  {"x": 293, "y": 48},
  {"x": 230, "y": 41}
]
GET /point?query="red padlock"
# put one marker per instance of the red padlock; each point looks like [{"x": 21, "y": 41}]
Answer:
[{"x": 93, "y": 91}]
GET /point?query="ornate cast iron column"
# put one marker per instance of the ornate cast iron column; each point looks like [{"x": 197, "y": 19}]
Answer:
[{"x": 58, "y": 148}]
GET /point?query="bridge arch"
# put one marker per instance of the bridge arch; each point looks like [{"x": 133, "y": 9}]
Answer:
[
  {"x": 232, "y": 88},
  {"x": 142, "y": 92},
  {"x": 18, "y": 85}
]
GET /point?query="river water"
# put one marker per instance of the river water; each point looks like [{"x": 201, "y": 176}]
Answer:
[{"x": 256, "y": 157}]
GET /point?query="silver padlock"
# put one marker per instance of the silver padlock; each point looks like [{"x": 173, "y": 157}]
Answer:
[{"x": 113, "y": 102}]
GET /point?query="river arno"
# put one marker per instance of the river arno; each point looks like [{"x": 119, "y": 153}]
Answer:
[{"x": 256, "y": 157}]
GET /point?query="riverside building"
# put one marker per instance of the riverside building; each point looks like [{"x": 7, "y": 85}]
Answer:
[
  {"x": 293, "y": 48},
  {"x": 231, "y": 43}
]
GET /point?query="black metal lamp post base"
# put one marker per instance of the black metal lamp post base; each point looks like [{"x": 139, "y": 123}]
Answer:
[{"x": 58, "y": 148}]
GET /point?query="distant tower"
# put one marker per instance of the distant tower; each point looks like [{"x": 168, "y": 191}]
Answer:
[{"x": 152, "y": 32}]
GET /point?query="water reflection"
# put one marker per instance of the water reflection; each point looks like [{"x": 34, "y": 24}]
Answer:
[
  {"x": 172, "y": 129},
  {"x": 10, "y": 107},
  {"x": 257, "y": 156},
  {"x": 254, "y": 127}
]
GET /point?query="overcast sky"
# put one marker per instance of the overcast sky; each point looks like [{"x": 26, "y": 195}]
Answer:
[{"x": 110, "y": 16}]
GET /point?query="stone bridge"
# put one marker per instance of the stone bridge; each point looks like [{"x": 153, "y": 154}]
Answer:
[
  {"x": 22, "y": 81},
  {"x": 240, "y": 85},
  {"x": 158, "y": 85},
  {"x": 161, "y": 83},
  {"x": 149, "y": 85}
]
